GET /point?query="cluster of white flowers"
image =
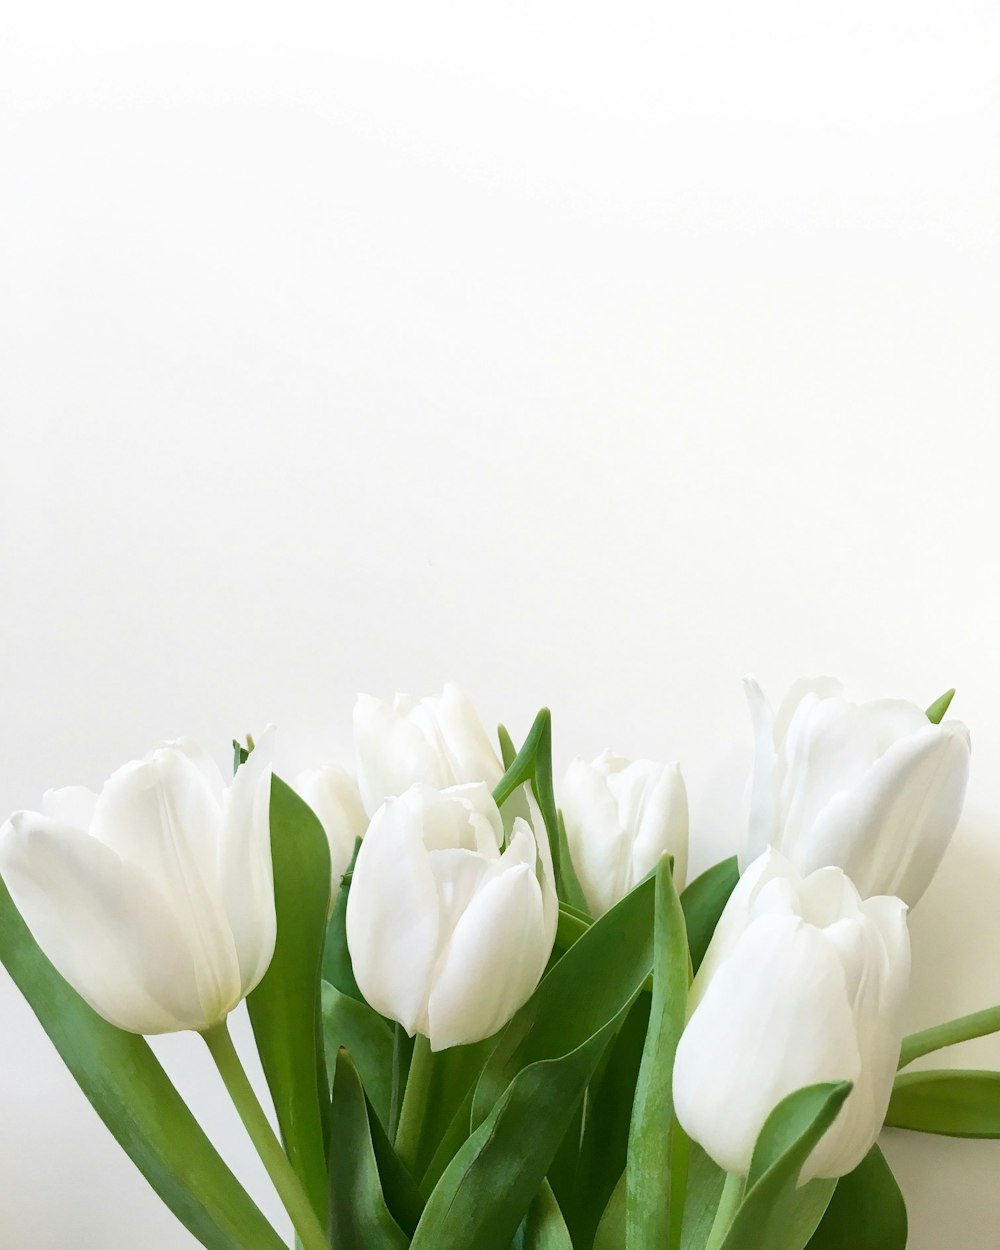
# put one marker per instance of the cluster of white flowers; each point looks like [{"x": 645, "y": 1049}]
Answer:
[{"x": 154, "y": 897}]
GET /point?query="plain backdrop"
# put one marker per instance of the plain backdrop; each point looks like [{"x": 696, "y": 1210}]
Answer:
[{"x": 587, "y": 354}]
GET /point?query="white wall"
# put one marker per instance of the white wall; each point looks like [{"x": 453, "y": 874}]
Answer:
[{"x": 590, "y": 354}]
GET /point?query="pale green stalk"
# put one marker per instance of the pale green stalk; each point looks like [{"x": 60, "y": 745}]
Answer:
[
  {"x": 289, "y": 1188},
  {"x": 732, "y": 1196},
  {"x": 414, "y": 1109},
  {"x": 978, "y": 1024}
]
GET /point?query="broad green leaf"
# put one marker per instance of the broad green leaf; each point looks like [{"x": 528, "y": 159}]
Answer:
[
  {"x": 533, "y": 763},
  {"x": 705, "y": 1180},
  {"x": 610, "y": 1233},
  {"x": 775, "y": 1214},
  {"x": 337, "y": 968},
  {"x": 533, "y": 1082},
  {"x": 651, "y": 1210},
  {"x": 543, "y": 1227},
  {"x": 866, "y": 1212},
  {"x": 569, "y": 928},
  {"x": 508, "y": 751},
  {"x": 367, "y": 1037},
  {"x": 939, "y": 708},
  {"x": 608, "y": 1112},
  {"x": 952, "y": 1102},
  {"x": 129, "y": 1090},
  {"x": 285, "y": 1007},
  {"x": 703, "y": 902},
  {"x": 359, "y": 1218},
  {"x": 398, "y": 1187}
]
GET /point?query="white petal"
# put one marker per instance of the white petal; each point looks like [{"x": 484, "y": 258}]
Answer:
[
  {"x": 774, "y": 1018},
  {"x": 598, "y": 845},
  {"x": 72, "y": 805},
  {"x": 761, "y": 829},
  {"x": 392, "y": 916},
  {"x": 452, "y": 725},
  {"x": 162, "y": 817},
  {"x": 104, "y": 927},
  {"x": 891, "y": 830},
  {"x": 654, "y": 811},
  {"x": 493, "y": 962},
  {"x": 333, "y": 795},
  {"x": 245, "y": 870},
  {"x": 392, "y": 753}
]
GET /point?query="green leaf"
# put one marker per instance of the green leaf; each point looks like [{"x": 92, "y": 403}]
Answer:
[
  {"x": 367, "y": 1037},
  {"x": 533, "y": 763},
  {"x": 129, "y": 1090},
  {"x": 569, "y": 928},
  {"x": 952, "y": 1102},
  {"x": 285, "y": 1007},
  {"x": 508, "y": 751},
  {"x": 402, "y": 1196},
  {"x": 651, "y": 1209},
  {"x": 359, "y": 1217},
  {"x": 610, "y": 1233},
  {"x": 544, "y": 1227},
  {"x": 703, "y": 902},
  {"x": 775, "y": 1214},
  {"x": 338, "y": 970},
  {"x": 937, "y": 710},
  {"x": 705, "y": 1181},
  {"x": 866, "y": 1212},
  {"x": 534, "y": 1079}
]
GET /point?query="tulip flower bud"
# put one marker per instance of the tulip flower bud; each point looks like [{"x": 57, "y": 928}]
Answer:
[
  {"x": 873, "y": 788},
  {"x": 620, "y": 819},
  {"x": 449, "y": 934},
  {"x": 439, "y": 741},
  {"x": 333, "y": 795},
  {"x": 153, "y": 899},
  {"x": 802, "y": 983}
]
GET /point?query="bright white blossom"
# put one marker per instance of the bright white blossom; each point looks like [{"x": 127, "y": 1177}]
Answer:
[
  {"x": 449, "y": 933},
  {"x": 621, "y": 817},
  {"x": 154, "y": 899},
  {"x": 332, "y": 793},
  {"x": 873, "y": 788},
  {"x": 438, "y": 740},
  {"x": 802, "y": 983}
]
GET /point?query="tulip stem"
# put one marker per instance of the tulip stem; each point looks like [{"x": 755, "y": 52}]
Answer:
[
  {"x": 414, "y": 1109},
  {"x": 732, "y": 1196},
  {"x": 265, "y": 1140},
  {"x": 978, "y": 1024}
]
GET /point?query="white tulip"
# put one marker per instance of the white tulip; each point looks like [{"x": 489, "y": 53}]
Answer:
[
  {"x": 448, "y": 934},
  {"x": 802, "y": 983},
  {"x": 332, "y": 793},
  {"x": 620, "y": 819},
  {"x": 873, "y": 788},
  {"x": 439, "y": 740},
  {"x": 153, "y": 899}
]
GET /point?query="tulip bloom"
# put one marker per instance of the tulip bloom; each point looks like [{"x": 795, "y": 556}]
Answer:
[
  {"x": 873, "y": 788},
  {"x": 153, "y": 899},
  {"x": 333, "y": 795},
  {"x": 449, "y": 934},
  {"x": 620, "y": 818},
  {"x": 802, "y": 983},
  {"x": 439, "y": 741}
]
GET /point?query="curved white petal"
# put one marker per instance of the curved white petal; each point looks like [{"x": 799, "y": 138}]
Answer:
[
  {"x": 761, "y": 825},
  {"x": 72, "y": 805},
  {"x": 333, "y": 795},
  {"x": 104, "y": 927},
  {"x": 245, "y": 870},
  {"x": 494, "y": 960},
  {"x": 598, "y": 845},
  {"x": 890, "y": 831},
  {"x": 653, "y": 807},
  {"x": 393, "y": 930},
  {"x": 774, "y": 1018},
  {"x": 451, "y": 724},
  {"x": 392, "y": 753}
]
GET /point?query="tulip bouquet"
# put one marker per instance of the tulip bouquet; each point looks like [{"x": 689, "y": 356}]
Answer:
[{"x": 493, "y": 1016}]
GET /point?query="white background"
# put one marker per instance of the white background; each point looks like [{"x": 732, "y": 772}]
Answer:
[{"x": 587, "y": 354}]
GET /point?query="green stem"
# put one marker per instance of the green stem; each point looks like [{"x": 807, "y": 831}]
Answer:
[
  {"x": 732, "y": 1195},
  {"x": 290, "y": 1190},
  {"x": 414, "y": 1109},
  {"x": 978, "y": 1024}
]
